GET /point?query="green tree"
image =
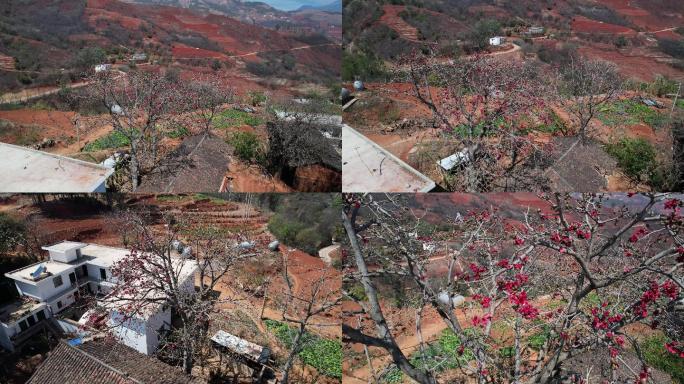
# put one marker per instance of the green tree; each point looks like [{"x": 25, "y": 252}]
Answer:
[
  {"x": 12, "y": 233},
  {"x": 362, "y": 65},
  {"x": 482, "y": 31},
  {"x": 89, "y": 56}
]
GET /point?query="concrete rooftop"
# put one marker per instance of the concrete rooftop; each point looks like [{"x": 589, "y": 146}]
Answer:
[
  {"x": 28, "y": 170},
  {"x": 64, "y": 246},
  {"x": 367, "y": 167}
]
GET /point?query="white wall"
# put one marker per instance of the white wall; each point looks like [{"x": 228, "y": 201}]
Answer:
[
  {"x": 47, "y": 287},
  {"x": 9, "y": 330},
  {"x": 5, "y": 341},
  {"x": 67, "y": 299},
  {"x": 139, "y": 334}
]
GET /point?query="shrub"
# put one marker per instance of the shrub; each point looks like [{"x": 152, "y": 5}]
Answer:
[
  {"x": 256, "y": 98},
  {"x": 361, "y": 65},
  {"x": 114, "y": 139},
  {"x": 673, "y": 48},
  {"x": 621, "y": 42},
  {"x": 178, "y": 133},
  {"x": 636, "y": 157},
  {"x": 655, "y": 354},
  {"x": 246, "y": 144},
  {"x": 662, "y": 86}
]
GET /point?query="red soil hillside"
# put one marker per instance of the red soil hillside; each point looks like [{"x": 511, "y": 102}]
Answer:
[{"x": 231, "y": 35}]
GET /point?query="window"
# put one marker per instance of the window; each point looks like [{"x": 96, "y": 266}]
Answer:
[
  {"x": 85, "y": 270},
  {"x": 31, "y": 321},
  {"x": 22, "y": 325},
  {"x": 41, "y": 315},
  {"x": 103, "y": 274},
  {"x": 72, "y": 278},
  {"x": 59, "y": 304},
  {"x": 57, "y": 281}
]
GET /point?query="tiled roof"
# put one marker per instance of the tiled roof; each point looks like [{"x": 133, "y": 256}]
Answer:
[{"x": 104, "y": 362}]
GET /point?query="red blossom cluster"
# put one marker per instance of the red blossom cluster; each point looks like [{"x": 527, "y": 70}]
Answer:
[
  {"x": 485, "y": 301},
  {"x": 481, "y": 321},
  {"x": 602, "y": 319},
  {"x": 638, "y": 234},
  {"x": 653, "y": 293},
  {"x": 643, "y": 375},
  {"x": 523, "y": 306},
  {"x": 676, "y": 348},
  {"x": 476, "y": 272}
]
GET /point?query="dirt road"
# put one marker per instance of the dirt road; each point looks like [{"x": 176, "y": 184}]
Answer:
[
  {"x": 272, "y": 50},
  {"x": 36, "y": 93}
]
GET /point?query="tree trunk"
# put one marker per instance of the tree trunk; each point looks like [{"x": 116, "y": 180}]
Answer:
[
  {"x": 134, "y": 166},
  {"x": 187, "y": 360},
  {"x": 375, "y": 311},
  {"x": 293, "y": 354}
]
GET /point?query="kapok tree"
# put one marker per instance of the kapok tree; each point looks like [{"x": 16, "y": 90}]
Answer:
[
  {"x": 154, "y": 275},
  {"x": 585, "y": 268},
  {"x": 486, "y": 108},
  {"x": 583, "y": 86}
]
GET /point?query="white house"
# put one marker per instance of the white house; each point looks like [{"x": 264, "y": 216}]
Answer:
[
  {"x": 76, "y": 269},
  {"x": 102, "y": 68},
  {"x": 497, "y": 40}
]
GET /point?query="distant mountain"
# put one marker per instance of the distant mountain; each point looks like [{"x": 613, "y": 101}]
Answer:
[{"x": 335, "y": 6}]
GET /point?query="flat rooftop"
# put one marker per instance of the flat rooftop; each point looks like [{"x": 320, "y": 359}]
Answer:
[
  {"x": 29, "y": 170},
  {"x": 64, "y": 246},
  {"x": 367, "y": 167},
  {"x": 14, "y": 311},
  {"x": 104, "y": 256},
  {"x": 53, "y": 268}
]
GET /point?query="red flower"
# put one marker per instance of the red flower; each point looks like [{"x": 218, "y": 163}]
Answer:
[
  {"x": 638, "y": 234},
  {"x": 613, "y": 352},
  {"x": 670, "y": 290},
  {"x": 481, "y": 321},
  {"x": 672, "y": 204}
]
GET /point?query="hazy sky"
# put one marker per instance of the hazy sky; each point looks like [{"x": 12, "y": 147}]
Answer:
[{"x": 288, "y": 5}]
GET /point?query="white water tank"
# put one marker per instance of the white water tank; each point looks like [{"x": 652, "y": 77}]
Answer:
[
  {"x": 358, "y": 85},
  {"x": 117, "y": 110}
]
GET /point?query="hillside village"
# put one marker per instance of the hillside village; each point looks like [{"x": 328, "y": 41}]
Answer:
[
  {"x": 403, "y": 63},
  {"x": 67, "y": 289},
  {"x": 219, "y": 82}
]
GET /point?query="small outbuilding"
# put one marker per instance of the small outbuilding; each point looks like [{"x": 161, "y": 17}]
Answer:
[{"x": 497, "y": 40}]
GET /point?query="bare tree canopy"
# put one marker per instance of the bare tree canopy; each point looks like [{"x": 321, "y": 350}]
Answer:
[
  {"x": 584, "y": 86},
  {"x": 486, "y": 107}
]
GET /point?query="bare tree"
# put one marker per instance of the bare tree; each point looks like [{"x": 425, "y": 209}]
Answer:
[
  {"x": 485, "y": 106},
  {"x": 628, "y": 255},
  {"x": 300, "y": 308},
  {"x": 583, "y": 86},
  {"x": 140, "y": 105},
  {"x": 205, "y": 98}
]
